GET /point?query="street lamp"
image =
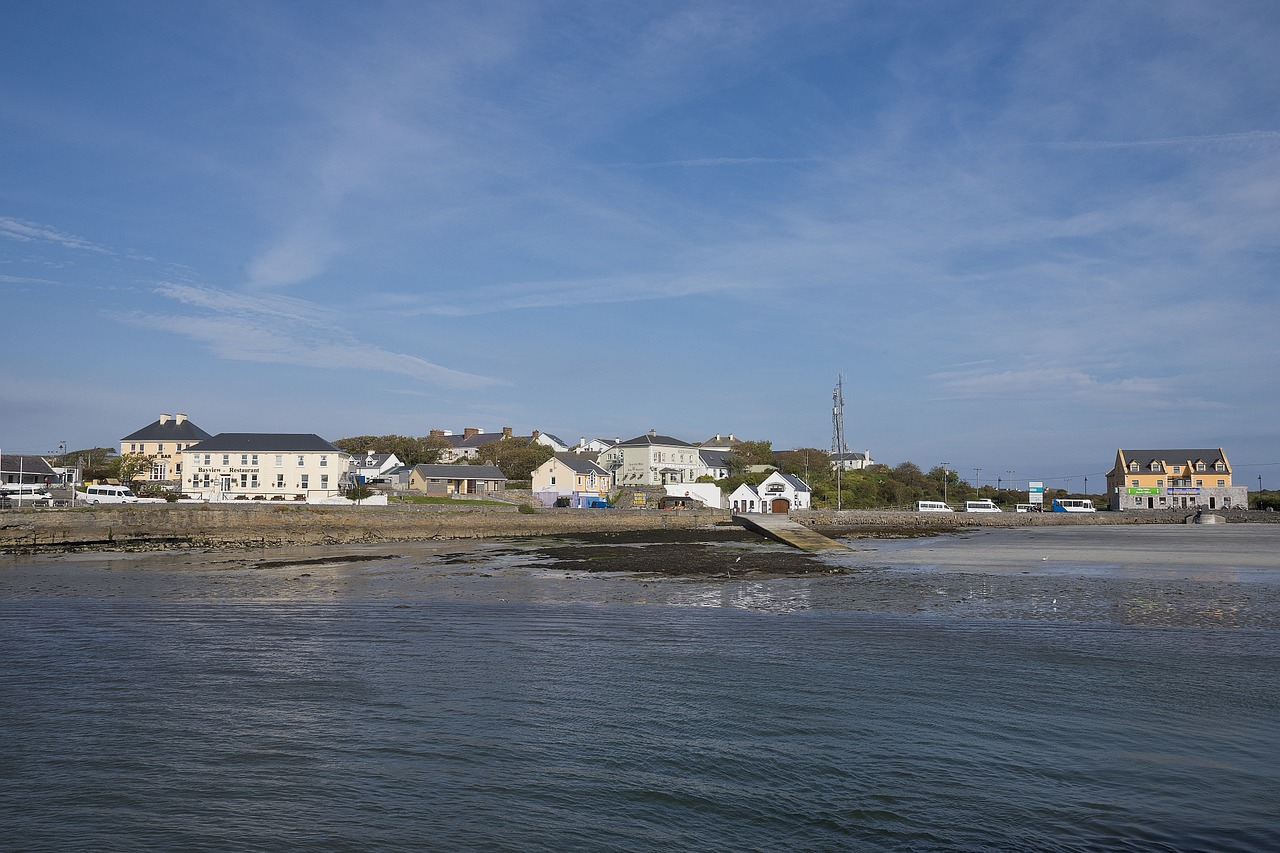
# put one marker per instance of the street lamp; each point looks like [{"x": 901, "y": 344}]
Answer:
[{"x": 944, "y": 481}]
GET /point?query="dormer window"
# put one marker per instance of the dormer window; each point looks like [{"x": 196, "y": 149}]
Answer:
[
  {"x": 1155, "y": 466},
  {"x": 1199, "y": 466},
  {"x": 1133, "y": 466},
  {"x": 1218, "y": 466}
]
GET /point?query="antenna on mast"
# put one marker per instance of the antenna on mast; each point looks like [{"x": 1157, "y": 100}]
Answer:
[{"x": 838, "y": 447}]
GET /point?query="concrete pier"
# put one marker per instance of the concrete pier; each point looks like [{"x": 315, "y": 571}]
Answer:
[{"x": 789, "y": 532}]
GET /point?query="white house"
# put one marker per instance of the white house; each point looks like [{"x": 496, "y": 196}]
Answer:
[
  {"x": 745, "y": 499},
  {"x": 851, "y": 461},
  {"x": 373, "y": 467},
  {"x": 595, "y": 446},
  {"x": 264, "y": 466},
  {"x": 652, "y": 460},
  {"x": 779, "y": 493},
  {"x": 568, "y": 475}
]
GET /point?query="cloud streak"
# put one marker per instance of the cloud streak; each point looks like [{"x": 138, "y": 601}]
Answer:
[{"x": 282, "y": 330}]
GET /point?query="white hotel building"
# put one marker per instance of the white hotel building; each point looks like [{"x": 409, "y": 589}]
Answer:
[{"x": 264, "y": 466}]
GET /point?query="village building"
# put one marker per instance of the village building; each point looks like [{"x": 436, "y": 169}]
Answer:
[
  {"x": 652, "y": 460},
  {"x": 163, "y": 440},
  {"x": 373, "y": 468},
  {"x": 24, "y": 468},
  {"x": 450, "y": 480},
  {"x": 571, "y": 480},
  {"x": 851, "y": 461},
  {"x": 1167, "y": 479},
  {"x": 778, "y": 493},
  {"x": 264, "y": 466}
]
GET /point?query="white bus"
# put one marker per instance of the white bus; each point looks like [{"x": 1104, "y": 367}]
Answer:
[
  {"x": 25, "y": 492},
  {"x": 984, "y": 505},
  {"x": 1072, "y": 505},
  {"x": 932, "y": 506},
  {"x": 110, "y": 495}
]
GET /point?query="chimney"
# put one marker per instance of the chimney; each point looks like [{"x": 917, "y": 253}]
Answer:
[
  {"x": 180, "y": 418},
  {"x": 470, "y": 431},
  {"x": 582, "y": 442},
  {"x": 653, "y": 433},
  {"x": 506, "y": 432},
  {"x": 535, "y": 435},
  {"x": 437, "y": 433},
  {"x": 164, "y": 419}
]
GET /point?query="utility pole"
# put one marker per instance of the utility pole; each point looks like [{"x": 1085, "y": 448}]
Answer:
[
  {"x": 977, "y": 474},
  {"x": 944, "y": 481},
  {"x": 838, "y": 448}
]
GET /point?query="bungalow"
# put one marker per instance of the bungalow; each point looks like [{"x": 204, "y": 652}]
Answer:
[
  {"x": 851, "y": 461},
  {"x": 745, "y": 498},
  {"x": 452, "y": 480},
  {"x": 26, "y": 468},
  {"x": 571, "y": 476}
]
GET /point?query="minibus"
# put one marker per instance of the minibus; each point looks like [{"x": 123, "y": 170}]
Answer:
[{"x": 932, "y": 506}]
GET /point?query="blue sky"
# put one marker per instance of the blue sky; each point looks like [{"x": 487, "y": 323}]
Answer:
[{"x": 1025, "y": 233}]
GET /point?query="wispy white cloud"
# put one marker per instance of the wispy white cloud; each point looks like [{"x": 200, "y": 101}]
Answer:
[
  {"x": 27, "y": 232},
  {"x": 724, "y": 161},
  {"x": 1249, "y": 139},
  {"x": 282, "y": 330}
]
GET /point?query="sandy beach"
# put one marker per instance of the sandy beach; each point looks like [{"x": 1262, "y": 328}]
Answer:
[{"x": 1174, "y": 575}]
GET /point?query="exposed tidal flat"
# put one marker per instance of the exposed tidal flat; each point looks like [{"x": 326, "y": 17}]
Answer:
[{"x": 1085, "y": 687}]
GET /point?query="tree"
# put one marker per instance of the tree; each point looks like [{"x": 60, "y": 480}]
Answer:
[
  {"x": 515, "y": 457},
  {"x": 130, "y": 465},
  {"x": 423, "y": 450},
  {"x": 747, "y": 453}
]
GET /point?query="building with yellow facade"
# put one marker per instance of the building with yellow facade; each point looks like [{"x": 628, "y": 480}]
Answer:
[
  {"x": 163, "y": 441},
  {"x": 1167, "y": 479}
]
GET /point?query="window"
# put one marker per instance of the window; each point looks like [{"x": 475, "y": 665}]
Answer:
[
  {"x": 159, "y": 448},
  {"x": 1199, "y": 483},
  {"x": 1133, "y": 466},
  {"x": 244, "y": 481},
  {"x": 253, "y": 481},
  {"x": 244, "y": 459},
  {"x": 1135, "y": 483},
  {"x": 279, "y": 481},
  {"x": 302, "y": 460},
  {"x": 1155, "y": 466},
  {"x": 206, "y": 459},
  {"x": 206, "y": 481},
  {"x": 279, "y": 460},
  {"x": 133, "y": 448},
  {"x": 1218, "y": 466},
  {"x": 226, "y": 459},
  {"x": 1199, "y": 466},
  {"x": 1222, "y": 483},
  {"x": 324, "y": 481},
  {"x": 254, "y": 460},
  {"x": 305, "y": 481},
  {"x": 324, "y": 461},
  {"x": 1160, "y": 484}
]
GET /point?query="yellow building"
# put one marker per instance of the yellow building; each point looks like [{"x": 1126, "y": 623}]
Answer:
[
  {"x": 1167, "y": 479},
  {"x": 164, "y": 441}
]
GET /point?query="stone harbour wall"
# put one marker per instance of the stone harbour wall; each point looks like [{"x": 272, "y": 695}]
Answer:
[{"x": 157, "y": 526}]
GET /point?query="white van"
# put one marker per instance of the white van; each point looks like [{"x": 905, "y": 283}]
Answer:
[
  {"x": 932, "y": 506},
  {"x": 32, "y": 493},
  {"x": 1072, "y": 505},
  {"x": 984, "y": 505},
  {"x": 110, "y": 495}
]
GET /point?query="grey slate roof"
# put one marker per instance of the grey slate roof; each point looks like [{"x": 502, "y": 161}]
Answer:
[
  {"x": 650, "y": 438},
  {"x": 25, "y": 464},
  {"x": 171, "y": 430},
  {"x": 714, "y": 458},
  {"x": 579, "y": 464},
  {"x": 460, "y": 472},
  {"x": 1177, "y": 457},
  {"x": 796, "y": 483},
  {"x": 265, "y": 442}
]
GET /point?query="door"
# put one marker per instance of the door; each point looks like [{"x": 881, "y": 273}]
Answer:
[
  {"x": 226, "y": 482},
  {"x": 780, "y": 505}
]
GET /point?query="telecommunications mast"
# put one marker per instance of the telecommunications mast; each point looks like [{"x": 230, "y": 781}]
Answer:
[{"x": 838, "y": 448}]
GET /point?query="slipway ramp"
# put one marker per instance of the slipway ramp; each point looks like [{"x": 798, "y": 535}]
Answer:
[{"x": 792, "y": 533}]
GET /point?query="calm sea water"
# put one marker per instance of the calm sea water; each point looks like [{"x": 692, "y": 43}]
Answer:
[{"x": 376, "y": 725}]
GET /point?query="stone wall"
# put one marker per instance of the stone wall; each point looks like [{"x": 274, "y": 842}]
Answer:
[{"x": 167, "y": 525}]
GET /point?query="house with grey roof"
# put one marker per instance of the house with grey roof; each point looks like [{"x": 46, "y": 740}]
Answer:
[
  {"x": 264, "y": 466},
  {"x": 1186, "y": 478},
  {"x": 20, "y": 468},
  {"x": 456, "y": 480},
  {"x": 851, "y": 461},
  {"x": 573, "y": 479},
  {"x": 652, "y": 460},
  {"x": 163, "y": 440}
]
